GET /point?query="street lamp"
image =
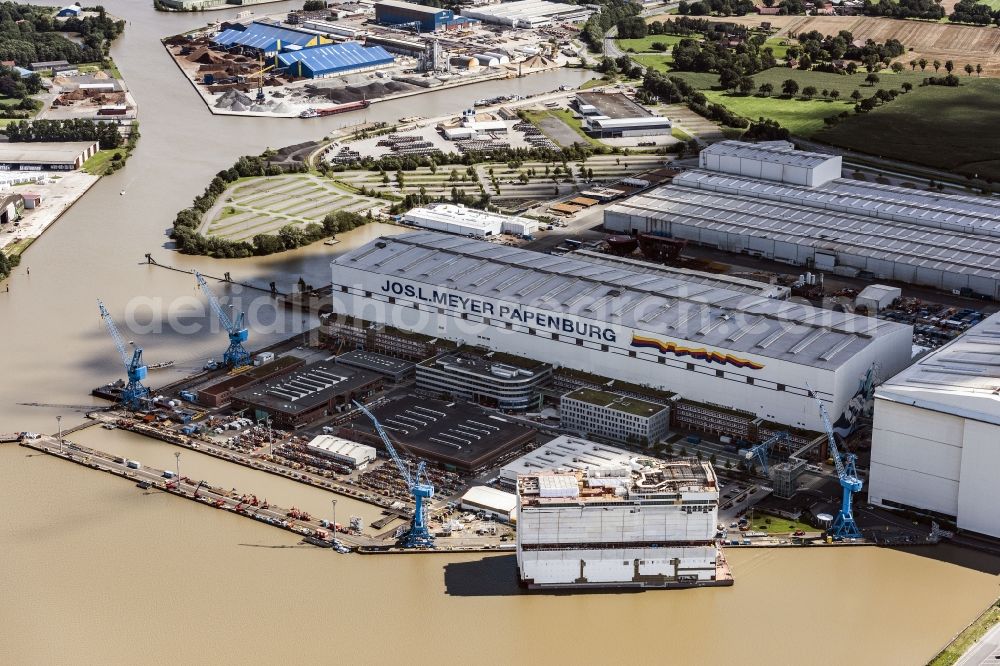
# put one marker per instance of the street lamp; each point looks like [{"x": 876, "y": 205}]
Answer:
[
  {"x": 59, "y": 421},
  {"x": 177, "y": 462},
  {"x": 334, "y": 502}
]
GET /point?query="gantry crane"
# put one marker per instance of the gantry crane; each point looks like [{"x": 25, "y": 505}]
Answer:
[
  {"x": 760, "y": 452},
  {"x": 236, "y": 355},
  {"x": 420, "y": 488},
  {"x": 843, "y": 526},
  {"x": 260, "y": 78},
  {"x": 134, "y": 391}
]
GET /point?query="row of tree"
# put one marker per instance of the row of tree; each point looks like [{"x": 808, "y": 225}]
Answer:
[
  {"x": 745, "y": 58},
  {"x": 905, "y": 9},
  {"x": 970, "y": 11},
  {"x": 717, "y": 7},
  {"x": 73, "y": 129},
  {"x": 7, "y": 264},
  {"x": 600, "y": 22}
]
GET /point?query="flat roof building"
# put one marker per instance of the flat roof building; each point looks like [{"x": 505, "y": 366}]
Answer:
[
  {"x": 704, "y": 341},
  {"x": 458, "y": 435},
  {"x": 218, "y": 393},
  {"x": 395, "y": 369},
  {"x": 645, "y": 524},
  {"x": 771, "y": 160},
  {"x": 527, "y": 13},
  {"x": 46, "y": 156},
  {"x": 398, "y": 13},
  {"x": 596, "y": 413},
  {"x": 936, "y": 434},
  {"x": 468, "y": 221},
  {"x": 501, "y": 381},
  {"x": 603, "y": 127},
  {"x": 267, "y": 39},
  {"x": 308, "y": 394},
  {"x": 568, "y": 453},
  {"x": 496, "y": 503}
]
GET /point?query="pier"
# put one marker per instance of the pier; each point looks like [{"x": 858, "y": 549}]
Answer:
[{"x": 244, "y": 504}]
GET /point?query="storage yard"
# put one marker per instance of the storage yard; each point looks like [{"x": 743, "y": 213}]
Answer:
[{"x": 298, "y": 64}]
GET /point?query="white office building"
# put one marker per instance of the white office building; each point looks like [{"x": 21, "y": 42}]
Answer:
[
  {"x": 592, "y": 412},
  {"x": 936, "y": 439},
  {"x": 342, "y": 450},
  {"x": 457, "y": 219}
]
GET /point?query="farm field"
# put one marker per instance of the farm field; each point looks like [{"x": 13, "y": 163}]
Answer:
[
  {"x": 801, "y": 117},
  {"x": 911, "y": 128},
  {"x": 264, "y": 205},
  {"x": 927, "y": 39},
  {"x": 658, "y": 63}
]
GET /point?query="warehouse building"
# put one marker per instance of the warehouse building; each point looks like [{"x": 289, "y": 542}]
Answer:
[
  {"x": 592, "y": 412},
  {"x": 341, "y": 450},
  {"x": 646, "y": 524},
  {"x": 771, "y": 160},
  {"x": 393, "y": 369},
  {"x": 493, "y": 502},
  {"x": 46, "y": 156},
  {"x": 457, "y": 219},
  {"x": 320, "y": 62},
  {"x": 528, "y": 13},
  {"x": 406, "y": 47},
  {"x": 847, "y": 227},
  {"x": 459, "y": 436},
  {"x": 603, "y": 127},
  {"x": 307, "y": 395},
  {"x": 500, "y": 381},
  {"x": 936, "y": 434},
  {"x": 265, "y": 39},
  {"x": 706, "y": 342},
  {"x": 219, "y": 392},
  {"x": 406, "y": 14}
]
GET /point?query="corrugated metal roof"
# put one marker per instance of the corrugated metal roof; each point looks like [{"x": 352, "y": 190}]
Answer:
[
  {"x": 263, "y": 37},
  {"x": 334, "y": 57},
  {"x": 792, "y": 220},
  {"x": 663, "y": 304},
  {"x": 766, "y": 152}
]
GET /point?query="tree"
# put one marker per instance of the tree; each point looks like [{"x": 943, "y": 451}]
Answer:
[
  {"x": 856, "y": 95},
  {"x": 314, "y": 5},
  {"x": 979, "y": 69},
  {"x": 790, "y": 87},
  {"x": 872, "y": 79},
  {"x": 923, "y": 63},
  {"x": 913, "y": 65},
  {"x": 949, "y": 66},
  {"x": 712, "y": 459},
  {"x": 746, "y": 85},
  {"x": 766, "y": 89},
  {"x": 937, "y": 65},
  {"x": 969, "y": 69},
  {"x": 809, "y": 92},
  {"x": 907, "y": 86},
  {"x": 897, "y": 67},
  {"x": 834, "y": 94}
]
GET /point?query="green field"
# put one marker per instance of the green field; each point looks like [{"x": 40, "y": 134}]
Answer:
[
  {"x": 645, "y": 44},
  {"x": 844, "y": 83},
  {"x": 946, "y": 128},
  {"x": 967, "y": 638},
  {"x": 779, "y": 45},
  {"x": 801, "y": 117},
  {"x": 98, "y": 164},
  {"x": 658, "y": 63}
]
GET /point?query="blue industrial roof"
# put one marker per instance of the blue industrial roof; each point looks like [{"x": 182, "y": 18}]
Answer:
[
  {"x": 263, "y": 37},
  {"x": 335, "y": 57}
]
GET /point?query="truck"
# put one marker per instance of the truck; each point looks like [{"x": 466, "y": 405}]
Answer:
[{"x": 693, "y": 439}]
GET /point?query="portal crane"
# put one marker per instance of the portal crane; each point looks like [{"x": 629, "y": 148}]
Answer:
[
  {"x": 236, "y": 355},
  {"x": 260, "y": 78},
  {"x": 843, "y": 526},
  {"x": 760, "y": 452},
  {"x": 420, "y": 488},
  {"x": 134, "y": 391}
]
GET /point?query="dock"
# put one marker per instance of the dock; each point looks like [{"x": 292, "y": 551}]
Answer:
[{"x": 153, "y": 479}]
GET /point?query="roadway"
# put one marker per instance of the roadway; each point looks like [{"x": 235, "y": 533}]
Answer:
[{"x": 984, "y": 651}]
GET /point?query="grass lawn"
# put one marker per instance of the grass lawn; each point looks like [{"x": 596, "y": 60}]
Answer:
[
  {"x": 680, "y": 134},
  {"x": 777, "y": 525},
  {"x": 98, "y": 164},
  {"x": 657, "y": 63},
  {"x": 645, "y": 44},
  {"x": 566, "y": 116},
  {"x": 779, "y": 45},
  {"x": 591, "y": 83},
  {"x": 941, "y": 127},
  {"x": 18, "y": 247},
  {"x": 964, "y": 640},
  {"x": 801, "y": 117}
]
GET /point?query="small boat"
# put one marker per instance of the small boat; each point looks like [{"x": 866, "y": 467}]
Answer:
[
  {"x": 330, "y": 241},
  {"x": 161, "y": 364}
]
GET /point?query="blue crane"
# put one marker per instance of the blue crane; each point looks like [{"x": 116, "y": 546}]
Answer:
[
  {"x": 843, "y": 526},
  {"x": 134, "y": 391},
  {"x": 760, "y": 452},
  {"x": 236, "y": 355},
  {"x": 421, "y": 489}
]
